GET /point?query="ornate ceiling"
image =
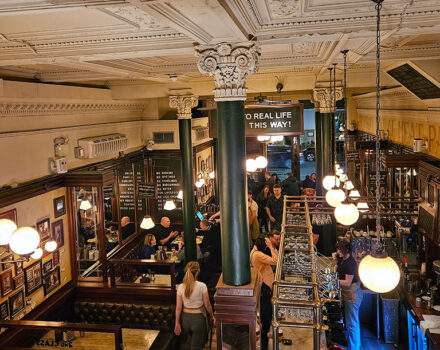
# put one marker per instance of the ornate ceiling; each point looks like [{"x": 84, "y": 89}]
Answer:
[{"x": 117, "y": 42}]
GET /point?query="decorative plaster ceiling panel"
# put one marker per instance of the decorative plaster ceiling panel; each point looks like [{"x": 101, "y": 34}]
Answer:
[{"x": 134, "y": 16}]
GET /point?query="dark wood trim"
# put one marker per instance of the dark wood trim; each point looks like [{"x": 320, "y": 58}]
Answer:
[
  {"x": 72, "y": 235},
  {"x": 402, "y": 160},
  {"x": 203, "y": 146},
  {"x": 101, "y": 234}
]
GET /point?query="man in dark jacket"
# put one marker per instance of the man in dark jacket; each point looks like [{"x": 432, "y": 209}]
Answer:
[{"x": 290, "y": 185}]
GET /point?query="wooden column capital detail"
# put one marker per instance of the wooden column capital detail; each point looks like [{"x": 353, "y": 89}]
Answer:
[
  {"x": 323, "y": 99},
  {"x": 230, "y": 64},
  {"x": 183, "y": 104}
]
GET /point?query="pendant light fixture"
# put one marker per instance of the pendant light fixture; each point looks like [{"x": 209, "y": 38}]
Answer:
[
  {"x": 147, "y": 223},
  {"x": 261, "y": 162},
  {"x": 377, "y": 271},
  {"x": 180, "y": 194},
  {"x": 169, "y": 205}
]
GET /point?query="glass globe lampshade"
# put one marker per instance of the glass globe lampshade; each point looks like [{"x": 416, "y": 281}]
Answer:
[
  {"x": 346, "y": 214},
  {"x": 261, "y": 162},
  {"x": 379, "y": 274},
  {"x": 251, "y": 165},
  {"x": 337, "y": 166},
  {"x": 330, "y": 181},
  {"x": 169, "y": 205},
  {"x": 180, "y": 195},
  {"x": 339, "y": 171},
  {"x": 212, "y": 175},
  {"x": 7, "y": 227},
  {"x": 50, "y": 246},
  {"x": 24, "y": 240},
  {"x": 363, "y": 207},
  {"x": 147, "y": 223},
  {"x": 354, "y": 194},
  {"x": 38, "y": 253},
  {"x": 198, "y": 184},
  {"x": 202, "y": 181},
  {"x": 348, "y": 185},
  {"x": 276, "y": 138},
  {"x": 334, "y": 197},
  {"x": 85, "y": 205},
  {"x": 263, "y": 138}
]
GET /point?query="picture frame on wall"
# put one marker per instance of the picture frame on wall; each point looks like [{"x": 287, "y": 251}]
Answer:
[
  {"x": 18, "y": 281},
  {"x": 16, "y": 303},
  {"x": 18, "y": 268},
  {"x": 6, "y": 283},
  {"x": 43, "y": 228},
  {"x": 7, "y": 266},
  {"x": 58, "y": 232},
  {"x": 52, "y": 280},
  {"x": 59, "y": 206},
  {"x": 10, "y": 215},
  {"x": 4, "y": 311},
  {"x": 33, "y": 278},
  {"x": 47, "y": 266},
  {"x": 56, "y": 258}
]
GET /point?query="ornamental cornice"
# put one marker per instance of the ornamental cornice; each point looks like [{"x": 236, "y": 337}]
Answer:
[
  {"x": 230, "y": 64},
  {"x": 13, "y": 109},
  {"x": 183, "y": 104},
  {"x": 323, "y": 99}
]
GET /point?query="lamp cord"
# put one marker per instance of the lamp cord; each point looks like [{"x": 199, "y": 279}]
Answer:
[
  {"x": 344, "y": 52},
  {"x": 378, "y": 8},
  {"x": 334, "y": 116}
]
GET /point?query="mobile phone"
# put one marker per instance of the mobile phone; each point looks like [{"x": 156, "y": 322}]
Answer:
[
  {"x": 287, "y": 341},
  {"x": 200, "y": 216}
]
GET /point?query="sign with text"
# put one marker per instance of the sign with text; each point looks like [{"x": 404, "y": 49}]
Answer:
[
  {"x": 147, "y": 190},
  {"x": 382, "y": 179},
  {"x": 268, "y": 120}
]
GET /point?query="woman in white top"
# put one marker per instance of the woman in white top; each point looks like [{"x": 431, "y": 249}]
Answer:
[{"x": 193, "y": 322}]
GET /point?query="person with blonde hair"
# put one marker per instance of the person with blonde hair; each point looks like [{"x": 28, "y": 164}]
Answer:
[
  {"x": 193, "y": 299},
  {"x": 149, "y": 247}
]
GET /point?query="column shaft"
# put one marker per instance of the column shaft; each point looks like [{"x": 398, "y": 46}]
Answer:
[
  {"x": 232, "y": 189},
  {"x": 188, "y": 190}
]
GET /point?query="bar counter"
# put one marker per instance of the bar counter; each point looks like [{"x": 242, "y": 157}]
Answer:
[{"x": 418, "y": 312}]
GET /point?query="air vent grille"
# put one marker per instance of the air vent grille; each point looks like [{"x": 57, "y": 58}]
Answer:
[
  {"x": 415, "y": 82},
  {"x": 163, "y": 137}
]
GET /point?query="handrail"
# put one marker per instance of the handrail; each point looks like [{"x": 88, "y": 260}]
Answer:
[{"x": 67, "y": 326}]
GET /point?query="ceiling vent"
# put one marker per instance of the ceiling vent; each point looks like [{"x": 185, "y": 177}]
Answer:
[
  {"x": 98, "y": 146},
  {"x": 163, "y": 137},
  {"x": 415, "y": 82}
]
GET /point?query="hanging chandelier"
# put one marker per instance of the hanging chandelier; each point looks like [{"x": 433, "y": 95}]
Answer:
[{"x": 377, "y": 271}]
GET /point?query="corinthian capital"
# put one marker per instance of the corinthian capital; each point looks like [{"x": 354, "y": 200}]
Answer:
[
  {"x": 323, "y": 100},
  {"x": 230, "y": 64},
  {"x": 183, "y": 103}
]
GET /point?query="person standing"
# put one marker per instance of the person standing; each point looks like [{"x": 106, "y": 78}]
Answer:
[
  {"x": 254, "y": 227},
  {"x": 290, "y": 186},
  {"x": 262, "y": 199},
  {"x": 351, "y": 293},
  {"x": 193, "y": 299},
  {"x": 274, "y": 208},
  {"x": 263, "y": 263}
]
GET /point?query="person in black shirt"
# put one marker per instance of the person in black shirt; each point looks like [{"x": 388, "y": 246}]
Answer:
[
  {"x": 274, "y": 208},
  {"x": 211, "y": 242},
  {"x": 351, "y": 293},
  {"x": 162, "y": 232},
  {"x": 128, "y": 228}
]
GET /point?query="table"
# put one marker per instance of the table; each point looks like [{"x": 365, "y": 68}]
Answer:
[
  {"x": 133, "y": 339},
  {"x": 159, "y": 281},
  {"x": 199, "y": 240},
  {"x": 302, "y": 338}
]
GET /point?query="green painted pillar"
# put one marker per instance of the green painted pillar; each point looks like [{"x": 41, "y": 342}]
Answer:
[
  {"x": 184, "y": 104},
  {"x": 230, "y": 64},
  {"x": 318, "y": 153},
  {"x": 327, "y": 143},
  {"x": 233, "y": 193},
  {"x": 216, "y": 184}
]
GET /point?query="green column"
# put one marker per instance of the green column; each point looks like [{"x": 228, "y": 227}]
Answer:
[
  {"x": 318, "y": 153},
  {"x": 189, "y": 222},
  {"x": 217, "y": 194},
  {"x": 232, "y": 189}
]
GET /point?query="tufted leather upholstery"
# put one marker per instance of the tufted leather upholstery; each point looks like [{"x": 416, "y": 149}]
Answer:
[{"x": 157, "y": 317}]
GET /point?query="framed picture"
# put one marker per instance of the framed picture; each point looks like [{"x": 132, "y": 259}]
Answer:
[
  {"x": 6, "y": 282},
  {"x": 18, "y": 268},
  {"x": 56, "y": 257},
  {"x": 59, "y": 206},
  {"x": 33, "y": 277},
  {"x": 10, "y": 214},
  {"x": 16, "y": 303},
  {"x": 18, "y": 281},
  {"x": 4, "y": 311},
  {"x": 52, "y": 280},
  {"x": 58, "y": 232},
  {"x": 47, "y": 266},
  {"x": 9, "y": 257},
  {"x": 43, "y": 228}
]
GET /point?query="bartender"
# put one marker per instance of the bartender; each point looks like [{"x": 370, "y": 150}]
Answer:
[{"x": 351, "y": 293}]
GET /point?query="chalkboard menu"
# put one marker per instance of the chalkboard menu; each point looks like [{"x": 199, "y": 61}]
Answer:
[
  {"x": 353, "y": 156},
  {"x": 127, "y": 190},
  {"x": 168, "y": 179},
  {"x": 146, "y": 190},
  {"x": 108, "y": 191},
  {"x": 383, "y": 178}
]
